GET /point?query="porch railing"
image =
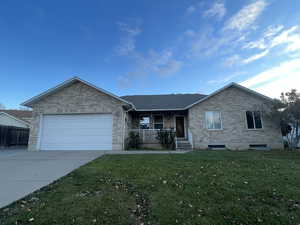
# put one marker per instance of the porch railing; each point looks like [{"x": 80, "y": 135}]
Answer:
[{"x": 148, "y": 136}]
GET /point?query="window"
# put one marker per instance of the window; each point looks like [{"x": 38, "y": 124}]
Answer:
[
  {"x": 254, "y": 120},
  {"x": 213, "y": 120},
  {"x": 158, "y": 122},
  {"x": 145, "y": 122}
]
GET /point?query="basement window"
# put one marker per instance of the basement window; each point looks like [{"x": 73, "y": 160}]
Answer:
[
  {"x": 259, "y": 147},
  {"x": 216, "y": 146}
]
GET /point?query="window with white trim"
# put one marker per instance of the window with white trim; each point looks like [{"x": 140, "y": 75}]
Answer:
[
  {"x": 158, "y": 122},
  {"x": 254, "y": 120},
  {"x": 144, "y": 122},
  {"x": 213, "y": 120}
]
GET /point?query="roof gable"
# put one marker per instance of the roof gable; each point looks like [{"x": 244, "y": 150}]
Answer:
[
  {"x": 229, "y": 86},
  {"x": 67, "y": 83}
]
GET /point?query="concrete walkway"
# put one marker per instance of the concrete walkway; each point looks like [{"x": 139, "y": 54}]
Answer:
[{"x": 143, "y": 152}]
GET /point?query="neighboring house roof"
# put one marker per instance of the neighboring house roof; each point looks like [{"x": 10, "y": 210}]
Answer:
[
  {"x": 163, "y": 102},
  {"x": 68, "y": 83},
  {"x": 9, "y": 115},
  {"x": 19, "y": 114}
]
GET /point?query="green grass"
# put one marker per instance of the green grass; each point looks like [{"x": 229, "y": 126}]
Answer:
[{"x": 207, "y": 187}]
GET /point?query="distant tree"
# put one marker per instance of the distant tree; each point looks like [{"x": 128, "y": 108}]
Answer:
[
  {"x": 286, "y": 112},
  {"x": 2, "y": 106}
]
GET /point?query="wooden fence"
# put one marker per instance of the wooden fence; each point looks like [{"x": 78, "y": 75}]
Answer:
[{"x": 10, "y": 136}]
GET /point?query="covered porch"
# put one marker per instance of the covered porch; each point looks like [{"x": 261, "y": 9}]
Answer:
[{"x": 148, "y": 123}]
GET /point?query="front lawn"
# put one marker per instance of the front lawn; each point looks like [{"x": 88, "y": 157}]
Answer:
[{"x": 207, "y": 187}]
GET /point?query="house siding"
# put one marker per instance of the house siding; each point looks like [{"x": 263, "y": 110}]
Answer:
[
  {"x": 78, "y": 98},
  {"x": 233, "y": 104}
]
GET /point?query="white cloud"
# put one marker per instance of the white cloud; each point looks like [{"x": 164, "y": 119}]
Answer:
[
  {"x": 191, "y": 9},
  {"x": 169, "y": 68},
  {"x": 225, "y": 79},
  {"x": 272, "y": 30},
  {"x": 128, "y": 39},
  {"x": 294, "y": 43},
  {"x": 289, "y": 37},
  {"x": 123, "y": 82},
  {"x": 246, "y": 16},
  {"x": 264, "y": 41},
  {"x": 285, "y": 83},
  {"x": 283, "y": 36},
  {"x": 217, "y": 10},
  {"x": 208, "y": 41},
  {"x": 275, "y": 36},
  {"x": 256, "y": 57},
  {"x": 205, "y": 42},
  {"x": 194, "y": 8},
  {"x": 259, "y": 44},
  {"x": 232, "y": 60},
  {"x": 190, "y": 33},
  {"x": 161, "y": 63},
  {"x": 284, "y": 72}
]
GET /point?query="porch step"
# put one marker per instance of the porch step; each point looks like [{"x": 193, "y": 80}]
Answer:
[{"x": 183, "y": 145}]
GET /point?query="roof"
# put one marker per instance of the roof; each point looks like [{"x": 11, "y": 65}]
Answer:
[
  {"x": 20, "y": 114},
  {"x": 66, "y": 84},
  {"x": 180, "y": 101},
  {"x": 163, "y": 102},
  {"x": 149, "y": 102}
]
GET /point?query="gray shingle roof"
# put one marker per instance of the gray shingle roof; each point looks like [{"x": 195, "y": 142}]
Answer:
[
  {"x": 163, "y": 102},
  {"x": 21, "y": 114}
]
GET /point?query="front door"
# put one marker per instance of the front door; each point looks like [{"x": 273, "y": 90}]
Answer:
[{"x": 179, "y": 126}]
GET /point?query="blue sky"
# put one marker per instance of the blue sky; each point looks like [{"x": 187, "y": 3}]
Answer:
[{"x": 149, "y": 47}]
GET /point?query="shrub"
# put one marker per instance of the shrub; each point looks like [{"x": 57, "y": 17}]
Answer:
[
  {"x": 133, "y": 141},
  {"x": 166, "y": 138}
]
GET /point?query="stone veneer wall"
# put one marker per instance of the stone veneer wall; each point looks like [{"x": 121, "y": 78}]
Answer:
[
  {"x": 78, "y": 98},
  {"x": 233, "y": 104}
]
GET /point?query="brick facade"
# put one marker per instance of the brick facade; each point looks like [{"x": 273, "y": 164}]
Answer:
[
  {"x": 78, "y": 98},
  {"x": 233, "y": 104}
]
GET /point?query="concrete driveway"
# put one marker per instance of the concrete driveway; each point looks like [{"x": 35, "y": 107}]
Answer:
[{"x": 22, "y": 172}]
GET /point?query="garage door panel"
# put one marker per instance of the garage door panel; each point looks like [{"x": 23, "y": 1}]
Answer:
[{"x": 77, "y": 132}]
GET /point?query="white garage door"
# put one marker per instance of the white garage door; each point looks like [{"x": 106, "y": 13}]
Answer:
[{"x": 76, "y": 132}]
